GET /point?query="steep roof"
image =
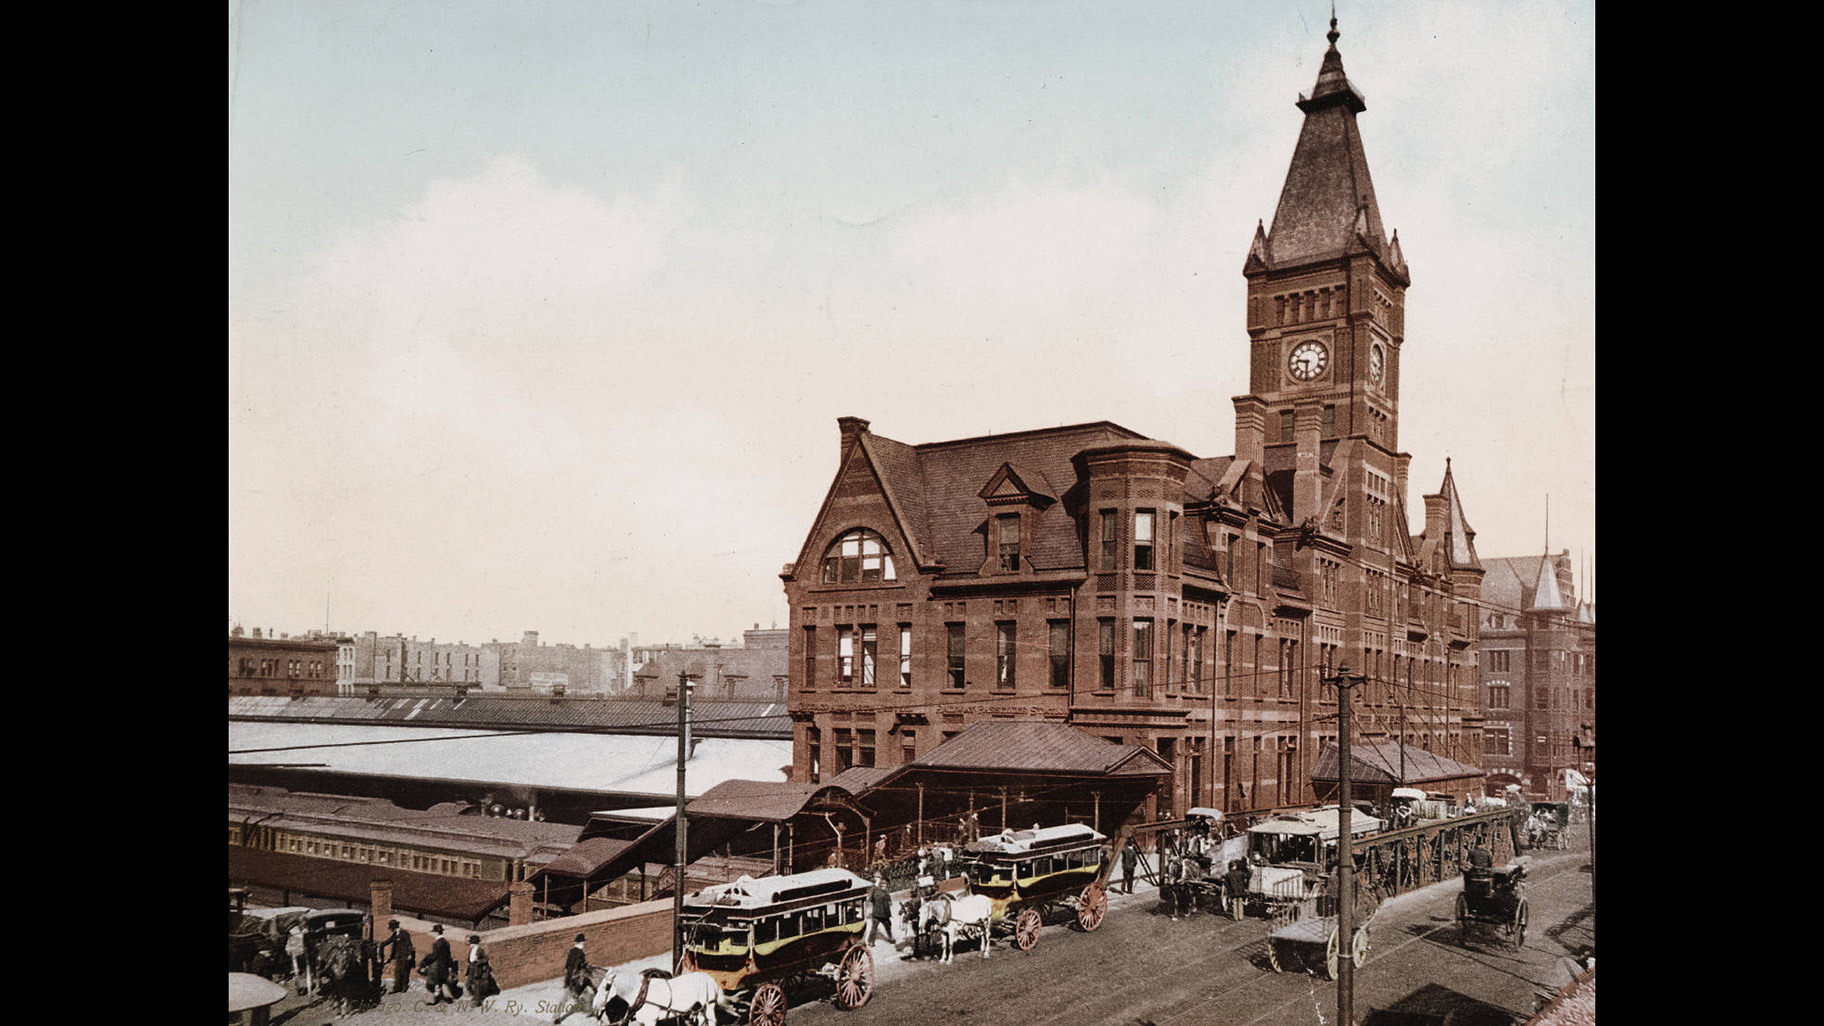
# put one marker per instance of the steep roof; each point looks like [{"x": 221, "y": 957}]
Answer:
[
  {"x": 1379, "y": 763},
  {"x": 935, "y": 489},
  {"x": 1037, "y": 746},
  {"x": 1546, "y": 596},
  {"x": 1327, "y": 206}
]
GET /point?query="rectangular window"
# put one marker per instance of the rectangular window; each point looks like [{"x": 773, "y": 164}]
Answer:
[
  {"x": 815, "y": 753},
  {"x": 1498, "y": 696},
  {"x": 1060, "y": 654},
  {"x": 810, "y": 658},
  {"x": 905, "y": 655},
  {"x": 1497, "y": 741},
  {"x": 1010, "y": 541},
  {"x": 1143, "y": 658},
  {"x": 869, "y": 654},
  {"x": 1111, "y": 544},
  {"x": 1228, "y": 664},
  {"x": 956, "y": 655},
  {"x": 1329, "y": 422},
  {"x": 866, "y": 740},
  {"x": 908, "y": 741},
  {"x": 845, "y": 656},
  {"x": 1105, "y": 647},
  {"x": 845, "y": 754},
  {"x": 1286, "y": 419},
  {"x": 1193, "y": 661},
  {"x": 1500, "y": 661},
  {"x": 1004, "y": 648},
  {"x": 1143, "y": 540}
]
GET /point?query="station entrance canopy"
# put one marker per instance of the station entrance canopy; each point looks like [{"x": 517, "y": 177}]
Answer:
[
  {"x": 1376, "y": 769},
  {"x": 994, "y": 774}
]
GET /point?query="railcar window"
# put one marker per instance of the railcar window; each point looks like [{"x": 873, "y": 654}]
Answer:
[{"x": 766, "y": 931}]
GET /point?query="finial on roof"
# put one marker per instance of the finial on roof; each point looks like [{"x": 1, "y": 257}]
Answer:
[{"x": 1333, "y": 34}]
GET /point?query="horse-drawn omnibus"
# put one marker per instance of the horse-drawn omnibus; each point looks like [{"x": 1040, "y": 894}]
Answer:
[
  {"x": 1023, "y": 873},
  {"x": 1292, "y": 855},
  {"x": 756, "y": 937}
]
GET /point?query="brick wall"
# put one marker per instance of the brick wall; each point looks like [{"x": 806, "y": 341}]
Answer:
[{"x": 535, "y": 952}]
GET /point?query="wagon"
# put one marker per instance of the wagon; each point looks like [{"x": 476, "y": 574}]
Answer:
[
  {"x": 1028, "y": 873},
  {"x": 1292, "y": 855},
  {"x": 1312, "y": 944},
  {"x": 756, "y": 938},
  {"x": 1495, "y": 898}
]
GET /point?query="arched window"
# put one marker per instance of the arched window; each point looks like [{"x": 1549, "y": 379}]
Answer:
[{"x": 860, "y": 556}]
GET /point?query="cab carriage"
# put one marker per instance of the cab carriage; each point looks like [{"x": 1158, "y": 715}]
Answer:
[
  {"x": 756, "y": 937},
  {"x": 1023, "y": 873}
]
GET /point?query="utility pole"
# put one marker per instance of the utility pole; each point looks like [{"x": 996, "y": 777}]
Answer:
[
  {"x": 682, "y": 860},
  {"x": 1345, "y": 851}
]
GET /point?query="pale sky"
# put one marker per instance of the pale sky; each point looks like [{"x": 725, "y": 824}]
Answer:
[{"x": 541, "y": 314}]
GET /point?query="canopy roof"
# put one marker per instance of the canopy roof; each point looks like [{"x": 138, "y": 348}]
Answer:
[
  {"x": 1379, "y": 763},
  {"x": 449, "y": 897}
]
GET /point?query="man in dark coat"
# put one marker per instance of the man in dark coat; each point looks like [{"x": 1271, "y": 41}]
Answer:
[
  {"x": 880, "y": 905},
  {"x": 577, "y": 983},
  {"x": 437, "y": 968},
  {"x": 1235, "y": 889},
  {"x": 1130, "y": 857},
  {"x": 398, "y": 949}
]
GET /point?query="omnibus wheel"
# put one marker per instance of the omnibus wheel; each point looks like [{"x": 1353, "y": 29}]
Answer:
[
  {"x": 855, "y": 979},
  {"x": 1519, "y": 927},
  {"x": 1091, "y": 907},
  {"x": 1026, "y": 929},
  {"x": 768, "y": 1006}
]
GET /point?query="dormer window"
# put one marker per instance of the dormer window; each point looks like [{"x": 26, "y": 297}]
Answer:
[
  {"x": 859, "y": 557},
  {"x": 1008, "y": 528}
]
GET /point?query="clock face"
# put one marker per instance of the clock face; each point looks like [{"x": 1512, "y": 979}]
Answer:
[
  {"x": 1308, "y": 360},
  {"x": 1377, "y": 364}
]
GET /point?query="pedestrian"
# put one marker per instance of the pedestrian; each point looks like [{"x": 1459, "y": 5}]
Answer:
[
  {"x": 924, "y": 863},
  {"x": 1130, "y": 857},
  {"x": 1235, "y": 889},
  {"x": 880, "y": 905},
  {"x": 398, "y": 950},
  {"x": 1480, "y": 859},
  {"x": 439, "y": 968},
  {"x": 294, "y": 951},
  {"x": 577, "y": 982},
  {"x": 480, "y": 973}
]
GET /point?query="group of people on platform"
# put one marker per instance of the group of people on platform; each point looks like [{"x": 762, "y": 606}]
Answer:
[{"x": 362, "y": 981}]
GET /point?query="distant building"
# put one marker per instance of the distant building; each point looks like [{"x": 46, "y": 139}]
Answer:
[
  {"x": 407, "y": 662},
  {"x": 1538, "y": 669},
  {"x": 281, "y": 665},
  {"x": 757, "y": 672}
]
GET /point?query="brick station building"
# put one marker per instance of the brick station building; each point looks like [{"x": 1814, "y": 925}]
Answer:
[{"x": 1092, "y": 575}]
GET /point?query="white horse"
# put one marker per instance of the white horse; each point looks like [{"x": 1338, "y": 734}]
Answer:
[
  {"x": 646, "y": 999},
  {"x": 956, "y": 917}
]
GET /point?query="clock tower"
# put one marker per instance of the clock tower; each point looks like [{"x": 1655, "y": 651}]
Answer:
[{"x": 1326, "y": 322}]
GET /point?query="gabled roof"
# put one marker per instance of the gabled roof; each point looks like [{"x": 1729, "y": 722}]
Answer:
[
  {"x": 1378, "y": 762},
  {"x": 1037, "y": 746},
  {"x": 767, "y": 801},
  {"x": 935, "y": 489}
]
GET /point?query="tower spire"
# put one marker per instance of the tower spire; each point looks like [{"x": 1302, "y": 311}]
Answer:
[{"x": 1333, "y": 34}]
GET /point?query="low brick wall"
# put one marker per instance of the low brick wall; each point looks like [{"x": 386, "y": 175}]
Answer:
[{"x": 535, "y": 952}]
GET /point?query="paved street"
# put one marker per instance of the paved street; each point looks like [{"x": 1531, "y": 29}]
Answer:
[{"x": 1143, "y": 969}]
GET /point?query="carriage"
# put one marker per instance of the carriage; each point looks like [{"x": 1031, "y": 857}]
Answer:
[
  {"x": 1027, "y": 873},
  {"x": 755, "y": 938},
  {"x": 1495, "y": 898},
  {"x": 1313, "y": 944},
  {"x": 1292, "y": 856}
]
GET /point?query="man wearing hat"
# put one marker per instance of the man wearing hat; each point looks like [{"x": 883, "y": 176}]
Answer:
[
  {"x": 576, "y": 979},
  {"x": 397, "y": 949},
  {"x": 437, "y": 968}
]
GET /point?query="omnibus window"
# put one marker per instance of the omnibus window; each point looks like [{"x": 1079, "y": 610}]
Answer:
[{"x": 766, "y": 931}]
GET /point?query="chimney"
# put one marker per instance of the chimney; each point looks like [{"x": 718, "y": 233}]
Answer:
[
  {"x": 519, "y": 903},
  {"x": 1435, "y": 513},
  {"x": 237, "y": 632},
  {"x": 256, "y": 632},
  {"x": 851, "y": 428},
  {"x": 1250, "y": 428},
  {"x": 380, "y": 902}
]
